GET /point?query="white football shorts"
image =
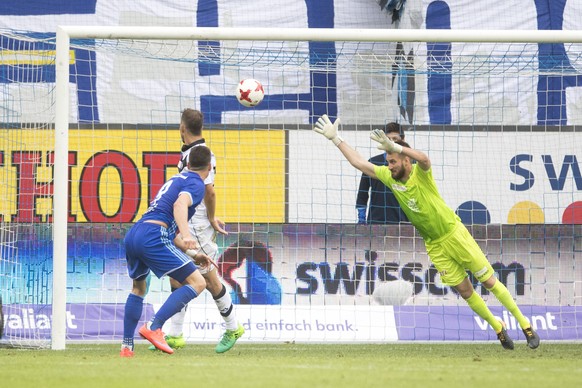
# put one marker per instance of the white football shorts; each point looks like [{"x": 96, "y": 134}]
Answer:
[{"x": 206, "y": 239}]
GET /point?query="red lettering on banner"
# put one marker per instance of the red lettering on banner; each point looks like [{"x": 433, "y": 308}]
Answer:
[
  {"x": 89, "y": 195},
  {"x": 157, "y": 163},
  {"x": 29, "y": 189}
]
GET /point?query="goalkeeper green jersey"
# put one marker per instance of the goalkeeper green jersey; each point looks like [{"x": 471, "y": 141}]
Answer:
[{"x": 421, "y": 202}]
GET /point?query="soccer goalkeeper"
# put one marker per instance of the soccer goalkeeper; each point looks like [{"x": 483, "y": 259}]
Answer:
[{"x": 449, "y": 244}]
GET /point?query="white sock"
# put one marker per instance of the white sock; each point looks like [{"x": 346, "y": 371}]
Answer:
[
  {"x": 177, "y": 323},
  {"x": 226, "y": 308}
]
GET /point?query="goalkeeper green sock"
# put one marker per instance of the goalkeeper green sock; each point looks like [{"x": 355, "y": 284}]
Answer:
[
  {"x": 478, "y": 305},
  {"x": 502, "y": 294}
]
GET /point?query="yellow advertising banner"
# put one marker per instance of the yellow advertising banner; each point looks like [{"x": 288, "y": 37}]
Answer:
[{"x": 114, "y": 173}]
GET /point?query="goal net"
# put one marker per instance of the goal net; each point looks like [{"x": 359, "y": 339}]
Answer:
[
  {"x": 26, "y": 159},
  {"x": 90, "y": 133}
]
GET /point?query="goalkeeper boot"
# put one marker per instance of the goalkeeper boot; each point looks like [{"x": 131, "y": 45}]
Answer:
[
  {"x": 533, "y": 339},
  {"x": 156, "y": 337},
  {"x": 126, "y": 352},
  {"x": 504, "y": 338},
  {"x": 229, "y": 338},
  {"x": 173, "y": 341}
]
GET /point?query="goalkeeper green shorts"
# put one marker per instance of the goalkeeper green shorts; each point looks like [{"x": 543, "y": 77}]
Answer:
[{"x": 457, "y": 252}]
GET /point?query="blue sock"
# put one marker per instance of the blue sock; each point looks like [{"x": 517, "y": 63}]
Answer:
[
  {"x": 175, "y": 302},
  {"x": 133, "y": 310}
]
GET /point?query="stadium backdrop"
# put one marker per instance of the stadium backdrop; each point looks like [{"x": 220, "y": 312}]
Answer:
[{"x": 556, "y": 173}]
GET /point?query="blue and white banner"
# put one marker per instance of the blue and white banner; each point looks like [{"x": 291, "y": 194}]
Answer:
[
  {"x": 104, "y": 322},
  {"x": 550, "y": 93}
]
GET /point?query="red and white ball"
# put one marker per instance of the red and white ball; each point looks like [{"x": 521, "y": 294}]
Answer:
[{"x": 250, "y": 92}]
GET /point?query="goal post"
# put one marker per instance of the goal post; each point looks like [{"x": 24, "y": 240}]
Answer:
[
  {"x": 320, "y": 34},
  {"x": 296, "y": 262},
  {"x": 61, "y": 191}
]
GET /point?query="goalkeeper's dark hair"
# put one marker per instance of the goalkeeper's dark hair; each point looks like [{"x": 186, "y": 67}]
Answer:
[
  {"x": 193, "y": 120},
  {"x": 199, "y": 158}
]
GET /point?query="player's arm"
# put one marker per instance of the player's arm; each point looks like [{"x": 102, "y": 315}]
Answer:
[
  {"x": 357, "y": 160},
  {"x": 389, "y": 146},
  {"x": 421, "y": 158},
  {"x": 181, "y": 206},
  {"x": 328, "y": 129},
  {"x": 210, "y": 203},
  {"x": 200, "y": 259}
]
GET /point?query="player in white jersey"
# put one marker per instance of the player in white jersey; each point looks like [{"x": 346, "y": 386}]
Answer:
[{"x": 204, "y": 225}]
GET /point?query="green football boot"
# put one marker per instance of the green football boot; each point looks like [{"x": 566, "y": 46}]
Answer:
[
  {"x": 229, "y": 338},
  {"x": 175, "y": 342}
]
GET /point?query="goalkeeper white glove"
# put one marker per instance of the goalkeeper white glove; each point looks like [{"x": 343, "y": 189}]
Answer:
[
  {"x": 386, "y": 144},
  {"x": 325, "y": 127}
]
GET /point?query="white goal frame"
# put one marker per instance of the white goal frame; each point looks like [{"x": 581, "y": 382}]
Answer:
[{"x": 64, "y": 34}]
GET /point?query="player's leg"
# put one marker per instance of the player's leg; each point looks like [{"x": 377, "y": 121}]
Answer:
[
  {"x": 138, "y": 272},
  {"x": 478, "y": 305},
  {"x": 478, "y": 264},
  {"x": 192, "y": 285},
  {"x": 502, "y": 294},
  {"x": 164, "y": 258},
  {"x": 221, "y": 298},
  {"x": 481, "y": 268},
  {"x": 175, "y": 333},
  {"x": 223, "y": 301},
  {"x": 453, "y": 273},
  {"x": 132, "y": 315},
  {"x": 206, "y": 238}
]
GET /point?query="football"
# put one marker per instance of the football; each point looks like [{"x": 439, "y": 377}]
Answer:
[
  {"x": 250, "y": 92},
  {"x": 393, "y": 293}
]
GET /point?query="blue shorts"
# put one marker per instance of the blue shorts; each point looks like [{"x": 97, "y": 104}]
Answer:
[{"x": 148, "y": 247}]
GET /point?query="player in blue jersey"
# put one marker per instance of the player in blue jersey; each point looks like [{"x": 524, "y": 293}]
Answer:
[
  {"x": 157, "y": 243},
  {"x": 450, "y": 246},
  {"x": 204, "y": 225}
]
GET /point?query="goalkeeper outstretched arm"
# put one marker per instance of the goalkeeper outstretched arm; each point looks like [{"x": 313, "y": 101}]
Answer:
[
  {"x": 357, "y": 160},
  {"x": 386, "y": 144},
  {"x": 325, "y": 127}
]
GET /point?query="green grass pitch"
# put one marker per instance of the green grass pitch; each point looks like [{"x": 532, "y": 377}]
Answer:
[{"x": 426, "y": 365}]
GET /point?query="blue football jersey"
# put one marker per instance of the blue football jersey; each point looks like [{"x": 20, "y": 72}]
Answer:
[{"x": 162, "y": 207}]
